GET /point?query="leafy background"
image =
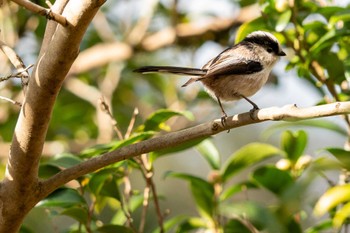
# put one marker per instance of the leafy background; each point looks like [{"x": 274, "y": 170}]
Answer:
[{"x": 272, "y": 177}]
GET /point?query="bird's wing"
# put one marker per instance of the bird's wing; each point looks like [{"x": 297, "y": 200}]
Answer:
[{"x": 228, "y": 63}]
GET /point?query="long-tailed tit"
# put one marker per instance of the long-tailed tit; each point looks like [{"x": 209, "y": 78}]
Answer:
[{"x": 237, "y": 72}]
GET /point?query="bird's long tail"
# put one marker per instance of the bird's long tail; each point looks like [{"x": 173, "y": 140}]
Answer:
[{"x": 172, "y": 70}]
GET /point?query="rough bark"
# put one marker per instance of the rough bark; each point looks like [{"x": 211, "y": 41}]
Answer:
[{"x": 20, "y": 190}]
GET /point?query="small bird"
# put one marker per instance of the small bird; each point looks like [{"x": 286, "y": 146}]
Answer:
[{"x": 237, "y": 72}]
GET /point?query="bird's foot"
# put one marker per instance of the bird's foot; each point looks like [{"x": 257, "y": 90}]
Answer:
[
  {"x": 223, "y": 121},
  {"x": 252, "y": 112}
]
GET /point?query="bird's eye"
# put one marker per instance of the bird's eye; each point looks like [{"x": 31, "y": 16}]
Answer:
[{"x": 269, "y": 50}]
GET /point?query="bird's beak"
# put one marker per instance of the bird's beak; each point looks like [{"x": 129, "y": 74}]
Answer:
[{"x": 281, "y": 53}]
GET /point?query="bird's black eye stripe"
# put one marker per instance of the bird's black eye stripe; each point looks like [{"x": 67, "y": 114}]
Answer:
[
  {"x": 270, "y": 44},
  {"x": 269, "y": 50}
]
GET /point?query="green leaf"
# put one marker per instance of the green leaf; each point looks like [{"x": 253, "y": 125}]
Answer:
[
  {"x": 104, "y": 183},
  {"x": 78, "y": 213},
  {"x": 294, "y": 144},
  {"x": 64, "y": 160},
  {"x": 135, "y": 202},
  {"x": 236, "y": 188},
  {"x": 236, "y": 226},
  {"x": 114, "y": 229},
  {"x": 244, "y": 3},
  {"x": 335, "y": 66},
  {"x": 157, "y": 119},
  {"x": 320, "y": 227},
  {"x": 96, "y": 150},
  {"x": 63, "y": 197},
  {"x": 325, "y": 163},
  {"x": 202, "y": 191},
  {"x": 341, "y": 215},
  {"x": 25, "y": 229},
  {"x": 339, "y": 15},
  {"x": 184, "y": 146},
  {"x": 208, "y": 150},
  {"x": 249, "y": 27},
  {"x": 247, "y": 156},
  {"x": 192, "y": 224},
  {"x": 104, "y": 148},
  {"x": 283, "y": 20},
  {"x": 46, "y": 171},
  {"x": 333, "y": 197},
  {"x": 317, "y": 123},
  {"x": 343, "y": 156},
  {"x": 261, "y": 217},
  {"x": 171, "y": 223},
  {"x": 293, "y": 225},
  {"x": 273, "y": 179},
  {"x": 329, "y": 11},
  {"x": 327, "y": 40},
  {"x": 118, "y": 218},
  {"x": 133, "y": 139}
]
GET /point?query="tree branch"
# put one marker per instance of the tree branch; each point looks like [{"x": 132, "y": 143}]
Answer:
[
  {"x": 11, "y": 101},
  {"x": 21, "y": 184},
  {"x": 185, "y": 31},
  {"x": 22, "y": 70},
  {"x": 19, "y": 74},
  {"x": 286, "y": 113},
  {"x": 103, "y": 53},
  {"x": 42, "y": 11}
]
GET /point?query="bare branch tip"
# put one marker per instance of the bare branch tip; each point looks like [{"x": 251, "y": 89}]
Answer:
[{"x": 11, "y": 101}]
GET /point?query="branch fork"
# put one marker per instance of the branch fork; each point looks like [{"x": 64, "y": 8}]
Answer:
[{"x": 47, "y": 12}]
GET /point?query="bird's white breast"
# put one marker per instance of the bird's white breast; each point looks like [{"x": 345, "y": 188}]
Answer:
[{"x": 232, "y": 87}]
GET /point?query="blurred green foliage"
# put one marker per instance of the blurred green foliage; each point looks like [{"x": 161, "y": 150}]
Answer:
[{"x": 316, "y": 37}]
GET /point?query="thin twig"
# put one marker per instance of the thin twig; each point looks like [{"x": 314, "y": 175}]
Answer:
[
  {"x": 11, "y": 101},
  {"x": 146, "y": 193},
  {"x": 157, "y": 206},
  {"x": 48, "y": 3},
  {"x": 42, "y": 11},
  {"x": 90, "y": 215},
  {"x": 138, "y": 32},
  {"x": 105, "y": 108},
  {"x": 247, "y": 224},
  {"x": 329, "y": 181},
  {"x": 19, "y": 74},
  {"x": 124, "y": 206},
  {"x": 132, "y": 123},
  {"x": 148, "y": 173},
  {"x": 17, "y": 63}
]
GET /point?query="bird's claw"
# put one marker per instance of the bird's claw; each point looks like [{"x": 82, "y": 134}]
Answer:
[
  {"x": 223, "y": 122},
  {"x": 252, "y": 111}
]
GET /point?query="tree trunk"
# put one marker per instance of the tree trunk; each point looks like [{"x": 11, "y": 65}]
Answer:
[{"x": 21, "y": 188}]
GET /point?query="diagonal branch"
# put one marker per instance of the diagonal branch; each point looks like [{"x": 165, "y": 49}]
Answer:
[
  {"x": 46, "y": 81},
  {"x": 21, "y": 184},
  {"x": 11, "y": 101},
  {"x": 286, "y": 113},
  {"x": 103, "y": 53},
  {"x": 42, "y": 11},
  {"x": 22, "y": 70},
  {"x": 19, "y": 74}
]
